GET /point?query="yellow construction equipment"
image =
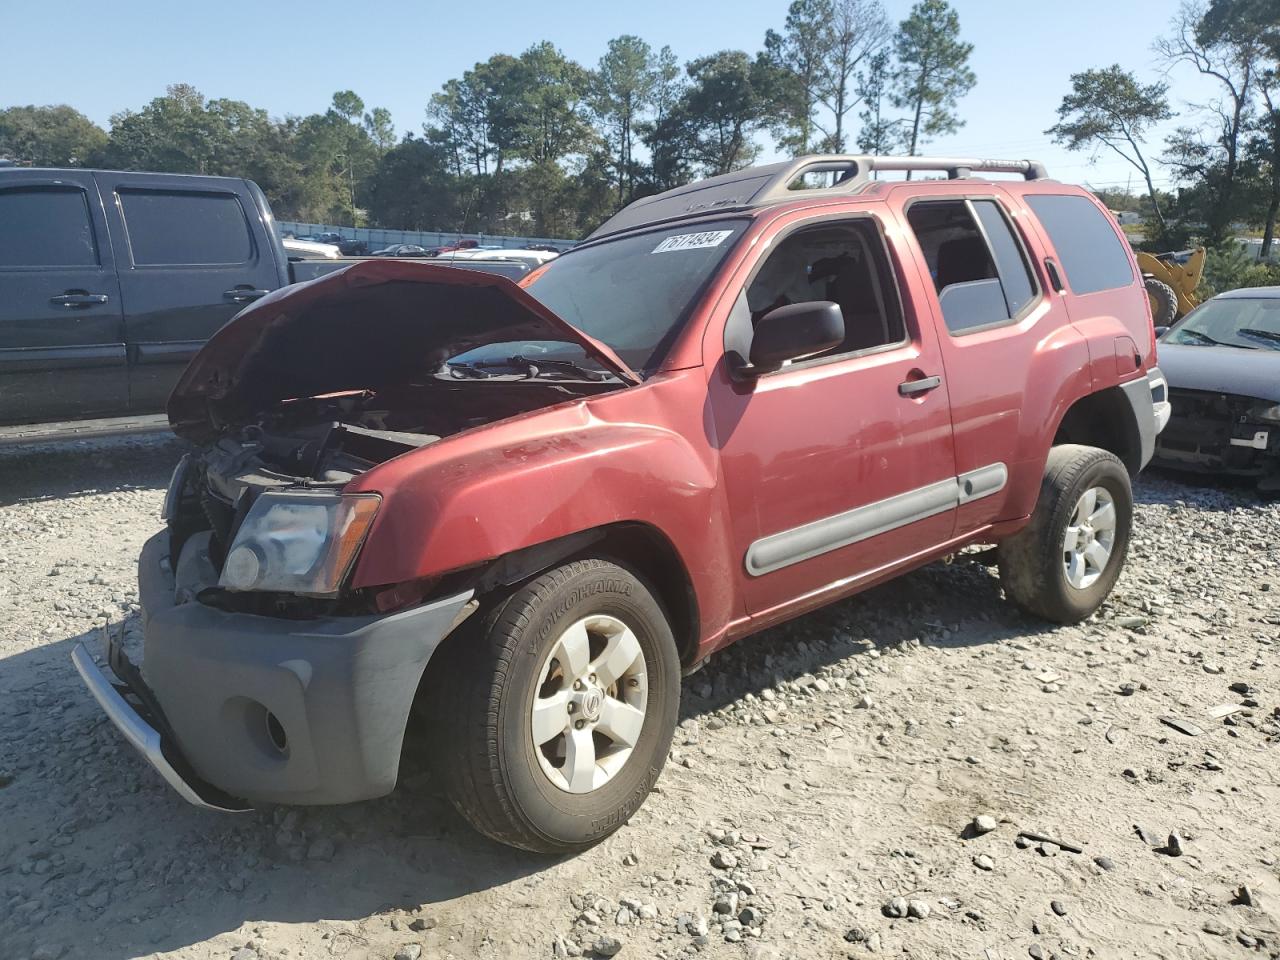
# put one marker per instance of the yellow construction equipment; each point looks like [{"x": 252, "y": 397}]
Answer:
[{"x": 1171, "y": 280}]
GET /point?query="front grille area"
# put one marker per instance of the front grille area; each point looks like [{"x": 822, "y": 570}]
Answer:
[{"x": 1201, "y": 429}]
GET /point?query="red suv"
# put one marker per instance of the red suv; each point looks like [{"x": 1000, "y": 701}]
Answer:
[{"x": 514, "y": 515}]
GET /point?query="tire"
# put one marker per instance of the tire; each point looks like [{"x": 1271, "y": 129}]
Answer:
[
  {"x": 542, "y": 798},
  {"x": 1164, "y": 302},
  {"x": 1033, "y": 562}
]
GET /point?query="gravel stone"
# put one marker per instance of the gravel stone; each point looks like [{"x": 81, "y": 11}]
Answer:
[
  {"x": 606, "y": 946},
  {"x": 984, "y": 823}
]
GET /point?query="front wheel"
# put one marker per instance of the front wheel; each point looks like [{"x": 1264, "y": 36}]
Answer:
[
  {"x": 1063, "y": 564},
  {"x": 558, "y": 708}
]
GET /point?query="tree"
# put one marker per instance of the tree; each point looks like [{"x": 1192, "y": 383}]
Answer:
[
  {"x": 932, "y": 73},
  {"x": 1265, "y": 150},
  {"x": 346, "y": 116},
  {"x": 381, "y": 130},
  {"x": 52, "y": 136},
  {"x": 622, "y": 88},
  {"x": 720, "y": 113},
  {"x": 859, "y": 30},
  {"x": 548, "y": 106},
  {"x": 1259, "y": 19},
  {"x": 414, "y": 188},
  {"x": 879, "y": 134},
  {"x": 663, "y": 134},
  {"x": 1232, "y": 59},
  {"x": 1109, "y": 108},
  {"x": 1259, "y": 22},
  {"x": 797, "y": 57},
  {"x": 814, "y": 65}
]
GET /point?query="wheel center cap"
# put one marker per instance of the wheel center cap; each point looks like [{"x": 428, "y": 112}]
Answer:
[{"x": 589, "y": 703}]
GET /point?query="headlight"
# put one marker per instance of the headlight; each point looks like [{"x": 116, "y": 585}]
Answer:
[
  {"x": 298, "y": 542},
  {"x": 1266, "y": 412}
]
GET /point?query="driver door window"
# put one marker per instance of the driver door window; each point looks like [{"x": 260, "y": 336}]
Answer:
[{"x": 843, "y": 263}]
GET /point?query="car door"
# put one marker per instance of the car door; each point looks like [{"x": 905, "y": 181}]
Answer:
[
  {"x": 189, "y": 261},
  {"x": 838, "y": 467},
  {"x": 993, "y": 317},
  {"x": 62, "y": 351}
]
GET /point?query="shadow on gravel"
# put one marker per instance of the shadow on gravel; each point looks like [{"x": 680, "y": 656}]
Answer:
[{"x": 56, "y": 471}]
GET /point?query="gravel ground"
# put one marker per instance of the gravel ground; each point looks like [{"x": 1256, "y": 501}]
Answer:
[{"x": 874, "y": 778}]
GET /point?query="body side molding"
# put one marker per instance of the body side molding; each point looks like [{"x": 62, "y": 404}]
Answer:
[{"x": 817, "y": 537}]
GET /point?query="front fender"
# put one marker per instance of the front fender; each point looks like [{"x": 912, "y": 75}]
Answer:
[{"x": 489, "y": 492}]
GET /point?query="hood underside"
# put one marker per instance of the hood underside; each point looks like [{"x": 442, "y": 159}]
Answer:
[
  {"x": 372, "y": 325},
  {"x": 1230, "y": 370}
]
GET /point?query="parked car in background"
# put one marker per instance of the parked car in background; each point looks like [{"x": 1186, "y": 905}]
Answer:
[
  {"x": 534, "y": 258},
  {"x": 347, "y": 246},
  {"x": 1222, "y": 362},
  {"x": 526, "y": 511},
  {"x": 296, "y": 248},
  {"x": 403, "y": 250},
  {"x": 112, "y": 281}
]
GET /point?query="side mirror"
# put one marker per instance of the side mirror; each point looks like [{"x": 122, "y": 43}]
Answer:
[
  {"x": 1161, "y": 331},
  {"x": 794, "y": 332}
]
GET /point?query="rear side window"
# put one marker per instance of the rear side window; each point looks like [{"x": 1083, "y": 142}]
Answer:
[
  {"x": 171, "y": 228},
  {"x": 979, "y": 269},
  {"x": 46, "y": 227},
  {"x": 1092, "y": 255}
]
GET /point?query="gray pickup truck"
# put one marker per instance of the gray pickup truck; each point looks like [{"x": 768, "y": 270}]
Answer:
[{"x": 110, "y": 282}]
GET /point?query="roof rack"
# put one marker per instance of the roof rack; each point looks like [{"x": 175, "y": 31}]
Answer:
[{"x": 772, "y": 183}]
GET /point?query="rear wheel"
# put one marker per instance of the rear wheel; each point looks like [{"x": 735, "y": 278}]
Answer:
[
  {"x": 557, "y": 711},
  {"x": 1164, "y": 302},
  {"x": 1063, "y": 564}
]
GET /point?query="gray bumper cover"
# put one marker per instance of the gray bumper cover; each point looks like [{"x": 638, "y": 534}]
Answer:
[
  {"x": 1149, "y": 397},
  {"x": 338, "y": 688}
]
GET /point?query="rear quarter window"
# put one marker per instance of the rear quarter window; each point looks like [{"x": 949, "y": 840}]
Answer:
[
  {"x": 185, "y": 228},
  {"x": 1092, "y": 255}
]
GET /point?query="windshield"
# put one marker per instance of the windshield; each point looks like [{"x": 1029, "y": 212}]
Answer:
[
  {"x": 634, "y": 293},
  {"x": 1249, "y": 324}
]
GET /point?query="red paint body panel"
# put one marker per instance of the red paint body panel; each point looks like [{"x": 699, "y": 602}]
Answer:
[{"x": 715, "y": 463}]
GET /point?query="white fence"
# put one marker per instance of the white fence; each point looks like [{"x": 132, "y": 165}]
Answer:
[{"x": 377, "y": 238}]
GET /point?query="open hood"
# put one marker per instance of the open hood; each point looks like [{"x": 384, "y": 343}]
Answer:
[{"x": 373, "y": 324}]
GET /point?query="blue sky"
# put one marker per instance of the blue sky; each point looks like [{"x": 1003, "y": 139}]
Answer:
[{"x": 290, "y": 58}]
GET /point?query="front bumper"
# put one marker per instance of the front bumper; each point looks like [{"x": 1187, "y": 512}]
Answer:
[
  {"x": 266, "y": 709},
  {"x": 1214, "y": 433}
]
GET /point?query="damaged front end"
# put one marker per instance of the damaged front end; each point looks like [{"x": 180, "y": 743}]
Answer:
[
  {"x": 266, "y": 676},
  {"x": 314, "y": 386},
  {"x": 1221, "y": 433}
]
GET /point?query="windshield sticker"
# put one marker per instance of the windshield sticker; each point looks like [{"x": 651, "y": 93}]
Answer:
[{"x": 693, "y": 241}]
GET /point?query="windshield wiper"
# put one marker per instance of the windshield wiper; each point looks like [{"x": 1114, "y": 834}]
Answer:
[
  {"x": 467, "y": 371},
  {"x": 535, "y": 366},
  {"x": 1266, "y": 335},
  {"x": 1205, "y": 338}
]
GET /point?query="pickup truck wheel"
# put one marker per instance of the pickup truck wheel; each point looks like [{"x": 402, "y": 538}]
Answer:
[
  {"x": 557, "y": 717},
  {"x": 1063, "y": 564}
]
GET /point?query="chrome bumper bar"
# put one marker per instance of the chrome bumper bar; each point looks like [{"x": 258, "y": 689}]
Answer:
[{"x": 144, "y": 737}]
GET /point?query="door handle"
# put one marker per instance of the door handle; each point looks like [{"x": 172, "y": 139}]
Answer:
[
  {"x": 72, "y": 300},
  {"x": 244, "y": 294},
  {"x": 912, "y": 388}
]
